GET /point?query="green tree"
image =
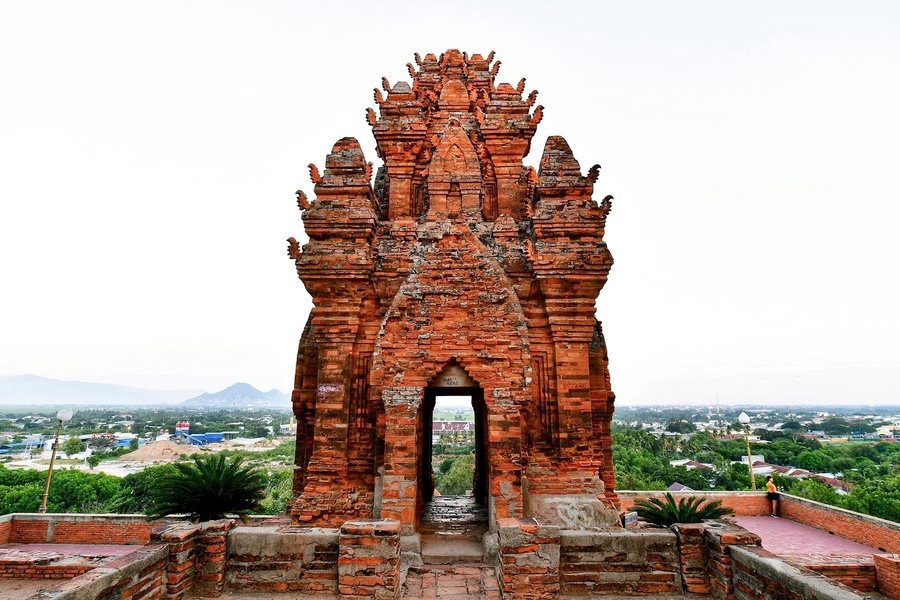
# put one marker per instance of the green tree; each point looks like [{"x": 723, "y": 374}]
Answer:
[
  {"x": 93, "y": 460},
  {"x": 72, "y": 446},
  {"x": 208, "y": 488},
  {"x": 458, "y": 479}
]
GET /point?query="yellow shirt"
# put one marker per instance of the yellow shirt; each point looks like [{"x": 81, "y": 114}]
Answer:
[{"x": 770, "y": 486}]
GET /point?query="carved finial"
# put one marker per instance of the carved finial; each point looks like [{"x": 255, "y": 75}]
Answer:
[
  {"x": 465, "y": 57},
  {"x": 302, "y": 200},
  {"x": 371, "y": 118},
  {"x": 593, "y": 173},
  {"x": 369, "y": 166},
  {"x": 490, "y": 56},
  {"x": 479, "y": 115},
  {"x": 418, "y": 59},
  {"x": 521, "y": 87},
  {"x": 495, "y": 69},
  {"x": 293, "y": 248},
  {"x": 314, "y": 173},
  {"x": 529, "y": 250},
  {"x": 379, "y": 99},
  {"x": 531, "y": 182},
  {"x": 411, "y": 70},
  {"x": 538, "y": 115},
  {"x": 386, "y": 85},
  {"x": 531, "y": 98},
  {"x": 606, "y": 206}
]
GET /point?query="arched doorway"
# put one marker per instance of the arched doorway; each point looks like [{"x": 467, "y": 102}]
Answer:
[{"x": 462, "y": 513}]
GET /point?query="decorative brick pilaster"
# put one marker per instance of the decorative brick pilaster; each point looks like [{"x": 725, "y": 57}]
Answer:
[
  {"x": 181, "y": 539},
  {"x": 209, "y": 578},
  {"x": 529, "y": 559},
  {"x": 720, "y": 566},
  {"x": 369, "y": 559},
  {"x": 692, "y": 557}
]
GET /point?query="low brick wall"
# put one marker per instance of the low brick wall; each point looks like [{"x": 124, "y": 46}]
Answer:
[
  {"x": 31, "y": 565},
  {"x": 5, "y": 528},
  {"x": 719, "y": 538},
  {"x": 529, "y": 559},
  {"x": 288, "y": 559},
  {"x": 621, "y": 562},
  {"x": 864, "y": 529},
  {"x": 692, "y": 556},
  {"x": 35, "y": 528},
  {"x": 138, "y": 575},
  {"x": 887, "y": 568},
  {"x": 747, "y": 504},
  {"x": 180, "y": 540},
  {"x": 760, "y": 574},
  {"x": 369, "y": 559},
  {"x": 857, "y": 572}
]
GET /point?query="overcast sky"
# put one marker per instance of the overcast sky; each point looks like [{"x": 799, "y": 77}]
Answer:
[{"x": 149, "y": 152}]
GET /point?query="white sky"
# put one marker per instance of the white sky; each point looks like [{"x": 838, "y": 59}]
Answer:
[{"x": 149, "y": 153}]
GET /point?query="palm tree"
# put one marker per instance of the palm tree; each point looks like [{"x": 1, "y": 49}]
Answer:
[
  {"x": 686, "y": 510},
  {"x": 208, "y": 488}
]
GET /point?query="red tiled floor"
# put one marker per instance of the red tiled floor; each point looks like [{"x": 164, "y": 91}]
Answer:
[
  {"x": 83, "y": 550},
  {"x": 786, "y": 537}
]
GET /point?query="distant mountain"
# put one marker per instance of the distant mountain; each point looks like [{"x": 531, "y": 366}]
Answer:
[
  {"x": 240, "y": 395},
  {"x": 32, "y": 389}
]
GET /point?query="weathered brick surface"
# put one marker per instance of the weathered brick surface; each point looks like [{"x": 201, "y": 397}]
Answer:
[
  {"x": 623, "y": 563},
  {"x": 369, "y": 559},
  {"x": 139, "y": 575},
  {"x": 458, "y": 257},
  {"x": 211, "y": 550},
  {"x": 289, "y": 559},
  {"x": 529, "y": 559},
  {"x": 719, "y": 540},
  {"x": 854, "y": 571},
  {"x": 759, "y": 574},
  {"x": 692, "y": 557},
  {"x": 181, "y": 544},
  {"x": 887, "y": 568}
]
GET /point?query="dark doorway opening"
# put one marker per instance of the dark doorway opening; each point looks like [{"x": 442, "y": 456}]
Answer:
[{"x": 461, "y": 445}]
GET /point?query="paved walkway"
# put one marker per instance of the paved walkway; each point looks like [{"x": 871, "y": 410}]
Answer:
[
  {"x": 785, "y": 538},
  {"x": 430, "y": 582}
]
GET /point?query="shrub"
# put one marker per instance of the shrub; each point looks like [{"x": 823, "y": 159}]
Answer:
[
  {"x": 208, "y": 488},
  {"x": 686, "y": 510}
]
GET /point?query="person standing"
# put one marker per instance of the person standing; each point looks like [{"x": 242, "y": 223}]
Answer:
[{"x": 772, "y": 494}]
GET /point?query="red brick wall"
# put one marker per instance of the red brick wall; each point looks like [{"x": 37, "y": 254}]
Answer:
[
  {"x": 864, "y": 529},
  {"x": 5, "y": 528},
  {"x": 692, "y": 557},
  {"x": 369, "y": 559},
  {"x": 888, "y": 569},
  {"x": 181, "y": 541},
  {"x": 290, "y": 559},
  {"x": 78, "y": 529},
  {"x": 529, "y": 559},
  {"x": 136, "y": 576},
  {"x": 742, "y": 503},
  {"x": 760, "y": 574},
  {"x": 857, "y": 572},
  {"x": 619, "y": 563},
  {"x": 28, "y": 570}
]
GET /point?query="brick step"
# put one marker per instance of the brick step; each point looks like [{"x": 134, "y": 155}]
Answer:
[{"x": 441, "y": 551}]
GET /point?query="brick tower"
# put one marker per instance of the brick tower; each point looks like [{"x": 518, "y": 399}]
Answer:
[{"x": 456, "y": 271}]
